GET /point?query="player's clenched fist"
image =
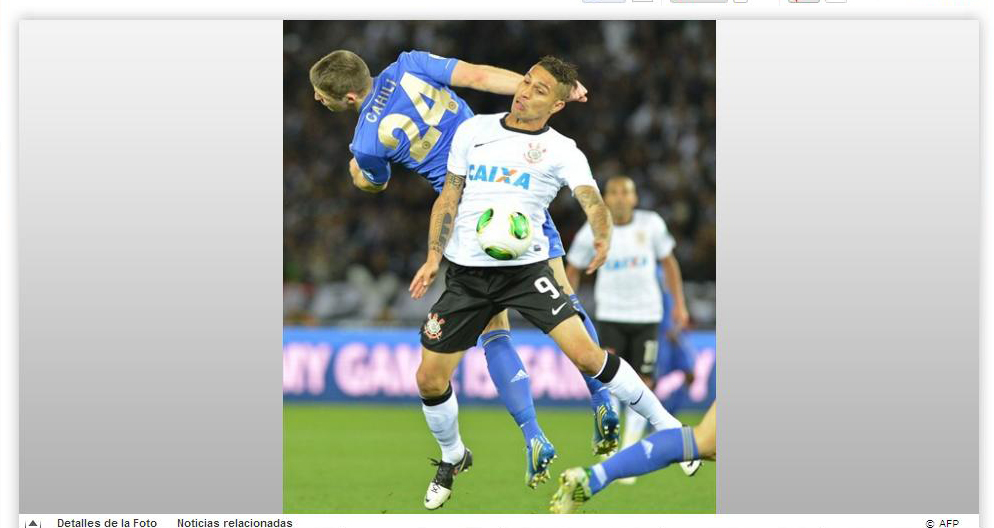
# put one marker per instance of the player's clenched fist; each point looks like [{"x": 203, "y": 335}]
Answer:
[{"x": 578, "y": 94}]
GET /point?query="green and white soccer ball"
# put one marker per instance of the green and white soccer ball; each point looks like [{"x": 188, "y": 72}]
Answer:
[{"x": 504, "y": 232}]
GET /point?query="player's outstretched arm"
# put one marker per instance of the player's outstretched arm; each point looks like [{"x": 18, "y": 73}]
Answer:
[
  {"x": 674, "y": 283},
  {"x": 600, "y": 222},
  {"x": 443, "y": 215},
  {"x": 485, "y": 78},
  {"x": 498, "y": 80}
]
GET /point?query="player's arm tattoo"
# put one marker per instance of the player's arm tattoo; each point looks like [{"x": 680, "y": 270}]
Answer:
[
  {"x": 597, "y": 213},
  {"x": 443, "y": 214}
]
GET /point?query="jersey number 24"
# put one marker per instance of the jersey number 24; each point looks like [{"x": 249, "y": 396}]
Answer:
[{"x": 415, "y": 89}]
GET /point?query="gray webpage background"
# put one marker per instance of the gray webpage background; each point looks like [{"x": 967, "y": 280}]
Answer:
[
  {"x": 150, "y": 227},
  {"x": 848, "y": 203}
]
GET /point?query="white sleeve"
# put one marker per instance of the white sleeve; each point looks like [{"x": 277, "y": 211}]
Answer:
[
  {"x": 662, "y": 240},
  {"x": 575, "y": 171},
  {"x": 459, "y": 148},
  {"x": 581, "y": 251}
]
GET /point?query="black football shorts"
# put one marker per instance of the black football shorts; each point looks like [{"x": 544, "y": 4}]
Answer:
[{"x": 473, "y": 295}]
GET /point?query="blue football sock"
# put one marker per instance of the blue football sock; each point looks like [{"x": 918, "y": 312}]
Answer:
[
  {"x": 511, "y": 380},
  {"x": 599, "y": 395},
  {"x": 656, "y": 451}
]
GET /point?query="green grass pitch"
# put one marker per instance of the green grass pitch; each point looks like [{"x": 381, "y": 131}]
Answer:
[{"x": 361, "y": 458}]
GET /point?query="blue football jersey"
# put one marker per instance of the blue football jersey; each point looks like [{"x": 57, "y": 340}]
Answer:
[{"x": 409, "y": 117}]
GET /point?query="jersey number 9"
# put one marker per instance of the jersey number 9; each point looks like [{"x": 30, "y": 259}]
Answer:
[{"x": 415, "y": 88}]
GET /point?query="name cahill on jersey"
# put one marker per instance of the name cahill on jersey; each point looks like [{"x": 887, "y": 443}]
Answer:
[{"x": 380, "y": 101}]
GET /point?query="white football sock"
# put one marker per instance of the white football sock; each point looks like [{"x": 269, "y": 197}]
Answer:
[
  {"x": 634, "y": 427},
  {"x": 630, "y": 389},
  {"x": 443, "y": 420}
]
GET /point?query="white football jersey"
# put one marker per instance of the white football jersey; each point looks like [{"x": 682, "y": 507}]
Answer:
[
  {"x": 502, "y": 163},
  {"x": 627, "y": 288}
]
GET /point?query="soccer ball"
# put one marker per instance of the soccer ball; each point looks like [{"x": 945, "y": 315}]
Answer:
[{"x": 504, "y": 232}]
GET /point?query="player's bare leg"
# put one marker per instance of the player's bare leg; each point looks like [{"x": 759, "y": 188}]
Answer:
[
  {"x": 606, "y": 422},
  {"x": 705, "y": 436},
  {"x": 434, "y": 379},
  {"x": 614, "y": 372},
  {"x": 514, "y": 388},
  {"x": 559, "y": 272},
  {"x": 498, "y": 322}
]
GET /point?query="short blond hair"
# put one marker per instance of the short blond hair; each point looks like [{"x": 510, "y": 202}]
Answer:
[{"x": 339, "y": 73}]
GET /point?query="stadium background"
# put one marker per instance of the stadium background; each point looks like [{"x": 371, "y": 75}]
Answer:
[{"x": 354, "y": 437}]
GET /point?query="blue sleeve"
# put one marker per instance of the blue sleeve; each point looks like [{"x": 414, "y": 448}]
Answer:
[
  {"x": 375, "y": 168},
  {"x": 438, "y": 68}
]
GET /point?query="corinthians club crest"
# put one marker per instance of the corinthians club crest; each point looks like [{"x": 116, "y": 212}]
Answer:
[
  {"x": 534, "y": 153},
  {"x": 433, "y": 327}
]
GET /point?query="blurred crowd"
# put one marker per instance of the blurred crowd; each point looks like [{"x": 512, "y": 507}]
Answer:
[{"x": 348, "y": 255}]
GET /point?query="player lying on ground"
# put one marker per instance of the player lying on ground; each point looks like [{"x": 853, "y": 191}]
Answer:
[
  {"x": 658, "y": 450},
  {"x": 408, "y": 115},
  {"x": 627, "y": 289},
  {"x": 511, "y": 158}
]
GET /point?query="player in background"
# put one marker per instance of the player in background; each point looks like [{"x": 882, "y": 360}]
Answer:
[
  {"x": 408, "y": 114},
  {"x": 660, "y": 449},
  {"x": 627, "y": 290},
  {"x": 515, "y": 158}
]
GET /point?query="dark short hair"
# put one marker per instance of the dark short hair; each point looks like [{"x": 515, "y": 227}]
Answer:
[
  {"x": 339, "y": 73},
  {"x": 564, "y": 73}
]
